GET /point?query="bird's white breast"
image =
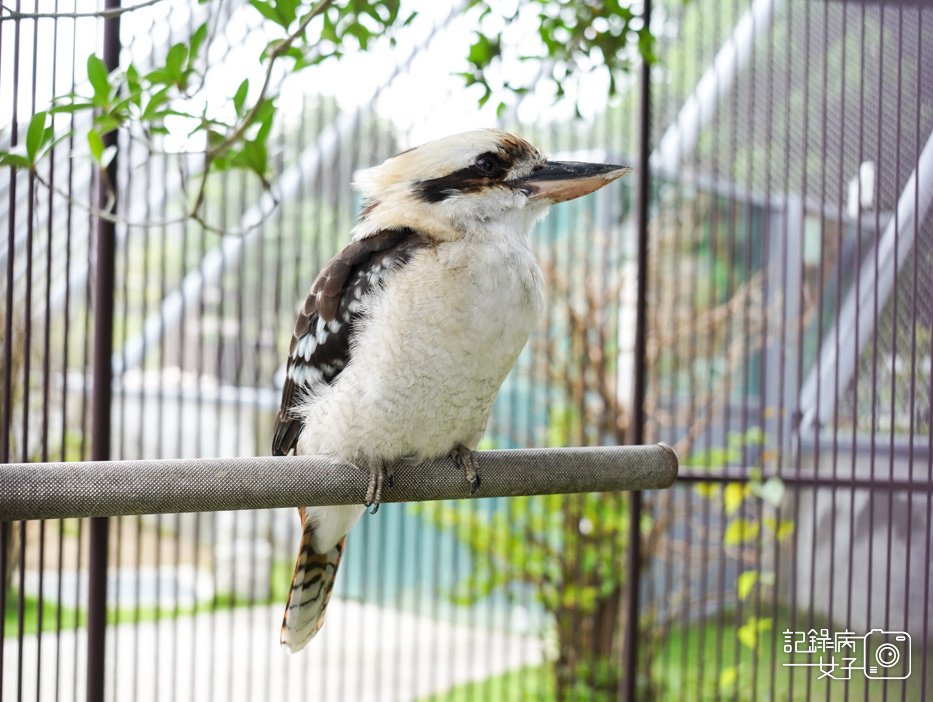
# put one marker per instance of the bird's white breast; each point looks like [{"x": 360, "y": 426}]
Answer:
[{"x": 436, "y": 343}]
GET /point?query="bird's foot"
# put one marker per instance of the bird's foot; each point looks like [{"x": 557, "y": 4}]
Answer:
[
  {"x": 378, "y": 476},
  {"x": 466, "y": 459}
]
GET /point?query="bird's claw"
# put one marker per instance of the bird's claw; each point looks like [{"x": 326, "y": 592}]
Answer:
[
  {"x": 466, "y": 459},
  {"x": 379, "y": 475}
]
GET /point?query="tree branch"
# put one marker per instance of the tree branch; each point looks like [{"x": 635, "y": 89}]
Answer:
[
  {"x": 277, "y": 53},
  {"x": 191, "y": 214}
]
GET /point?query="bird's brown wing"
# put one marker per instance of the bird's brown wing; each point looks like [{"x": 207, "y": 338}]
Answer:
[{"x": 321, "y": 343}]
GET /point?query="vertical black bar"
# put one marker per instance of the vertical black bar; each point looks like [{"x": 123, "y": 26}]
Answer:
[
  {"x": 5, "y": 536},
  {"x": 6, "y": 426},
  {"x": 637, "y": 425},
  {"x": 101, "y": 396}
]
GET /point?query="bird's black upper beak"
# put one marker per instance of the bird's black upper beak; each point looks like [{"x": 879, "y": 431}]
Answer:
[{"x": 559, "y": 181}]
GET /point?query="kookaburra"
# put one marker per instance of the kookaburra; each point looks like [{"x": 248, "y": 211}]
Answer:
[{"x": 407, "y": 334}]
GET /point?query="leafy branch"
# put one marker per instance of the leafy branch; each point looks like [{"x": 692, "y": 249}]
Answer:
[
  {"x": 744, "y": 534},
  {"x": 139, "y": 103},
  {"x": 574, "y": 38}
]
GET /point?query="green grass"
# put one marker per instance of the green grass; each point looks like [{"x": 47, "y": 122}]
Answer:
[
  {"x": 50, "y": 614},
  {"x": 678, "y": 673},
  {"x": 281, "y": 578},
  {"x": 72, "y": 617},
  {"x": 677, "y": 670},
  {"x": 532, "y": 683},
  {"x": 124, "y": 615}
]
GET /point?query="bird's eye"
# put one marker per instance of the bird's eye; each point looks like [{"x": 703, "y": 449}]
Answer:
[{"x": 487, "y": 165}]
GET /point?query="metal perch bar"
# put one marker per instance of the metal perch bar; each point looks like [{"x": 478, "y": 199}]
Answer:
[{"x": 115, "y": 488}]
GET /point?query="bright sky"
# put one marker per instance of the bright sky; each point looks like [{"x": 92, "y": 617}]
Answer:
[{"x": 425, "y": 103}]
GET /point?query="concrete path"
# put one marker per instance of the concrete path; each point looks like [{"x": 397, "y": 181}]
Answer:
[{"x": 364, "y": 653}]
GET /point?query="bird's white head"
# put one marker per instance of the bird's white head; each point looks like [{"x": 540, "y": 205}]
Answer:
[{"x": 471, "y": 184}]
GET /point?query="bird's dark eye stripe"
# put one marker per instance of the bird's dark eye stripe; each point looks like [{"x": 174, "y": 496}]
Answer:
[{"x": 467, "y": 180}]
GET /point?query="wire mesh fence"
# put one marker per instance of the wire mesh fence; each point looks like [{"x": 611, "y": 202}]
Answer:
[{"x": 787, "y": 360}]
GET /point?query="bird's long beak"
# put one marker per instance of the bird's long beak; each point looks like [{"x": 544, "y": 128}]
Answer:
[{"x": 559, "y": 181}]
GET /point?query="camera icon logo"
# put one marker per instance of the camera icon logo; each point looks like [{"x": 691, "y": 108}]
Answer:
[{"x": 887, "y": 655}]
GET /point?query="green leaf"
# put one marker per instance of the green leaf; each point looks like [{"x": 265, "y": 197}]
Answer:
[
  {"x": 214, "y": 138},
  {"x": 121, "y": 109},
  {"x": 239, "y": 99},
  {"x": 727, "y": 678},
  {"x": 299, "y": 57},
  {"x": 107, "y": 155},
  {"x": 706, "y": 490},
  {"x": 755, "y": 436},
  {"x": 160, "y": 76},
  {"x": 748, "y": 634},
  {"x": 361, "y": 33},
  {"x": 732, "y": 497},
  {"x": 781, "y": 530},
  {"x": 265, "y": 111},
  {"x": 200, "y": 34},
  {"x": 97, "y": 74},
  {"x": 266, "y": 10},
  {"x": 132, "y": 76},
  {"x": 771, "y": 491},
  {"x": 740, "y": 531},
  {"x": 69, "y": 107},
  {"x": 746, "y": 581},
  {"x": 252, "y": 157},
  {"x": 287, "y": 11},
  {"x": 158, "y": 99},
  {"x": 174, "y": 63},
  {"x": 264, "y": 117},
  {"x": 35, "y": 135},
  {"x": 483, "y": 51},
  {"x": 106, "y": 122},
  {"x": 749, "y": 631},
  {"x": 96, "y": 144},
  {"x": 16, "y": 157}
]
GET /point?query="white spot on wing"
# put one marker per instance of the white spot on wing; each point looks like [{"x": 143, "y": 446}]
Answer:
[
  {"x": 305, "y": 375},
  {"x": 305, "y": 347}
]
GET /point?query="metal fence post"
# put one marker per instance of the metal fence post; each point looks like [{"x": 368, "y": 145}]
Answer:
[
  {"x": 637, "y": 424},
  {"x": 101, "y": 398}
]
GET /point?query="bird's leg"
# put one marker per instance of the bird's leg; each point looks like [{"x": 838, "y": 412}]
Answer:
[
  {"x": 389, "y": 470},
  {"x": 466, "y": 459},
  {"x": 377, "y": 475}
]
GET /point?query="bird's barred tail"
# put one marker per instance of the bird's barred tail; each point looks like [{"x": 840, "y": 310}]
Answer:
[{"x": 312, "y": 584}]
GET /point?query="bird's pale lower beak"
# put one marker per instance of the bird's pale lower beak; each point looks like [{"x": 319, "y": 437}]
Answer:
[{"x": 559, "y": 181}]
